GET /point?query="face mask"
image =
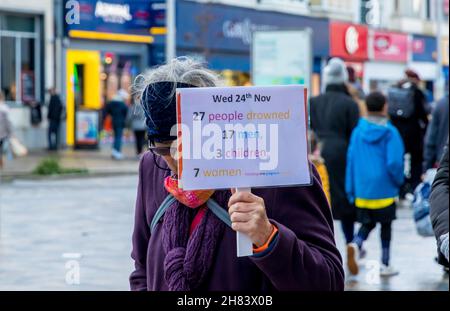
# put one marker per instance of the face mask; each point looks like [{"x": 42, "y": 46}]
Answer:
[{"x": 192, "y": 199}]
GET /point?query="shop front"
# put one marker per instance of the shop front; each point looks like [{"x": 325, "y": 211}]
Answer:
[
  {"x": 107, "y": 49},
  {"x": 26, "y": 67},
  {"x": 222, "y": 36},
  {"x": 388, "y": 54},
  {"x": 349, "y": 42},
  {"x": 424, "y": 61}
]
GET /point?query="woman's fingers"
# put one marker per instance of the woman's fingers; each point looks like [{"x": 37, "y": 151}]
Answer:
[
  {"x": 248, "y": 215},
  {"x": 240, "y": 217},
  {"x": 247, "y": 197},
  {"x": 241, "y": 207}
]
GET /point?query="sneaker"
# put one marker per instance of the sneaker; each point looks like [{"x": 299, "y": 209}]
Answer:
[
  {"x": 388, "y": 270},
  {"x": 116, "y": 155},
  {"x": 352, "y": 257},
  {"x": 409, "y": 198}
]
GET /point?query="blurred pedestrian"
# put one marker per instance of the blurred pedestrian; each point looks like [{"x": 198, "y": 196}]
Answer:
[
  {"x": 437, "y": 135},
  {"x": 334, "y": 114},
  {"x": 5, "y": 126},
  {"x": 316, "y": 158},
  {"x": 353, "y": 81},
  {"x": 136, "y": 122},
  {"x": 407, "y": 110},
  {"x": 118, "y": 111},
  {"x": 439, "y": 209},
  {"x": 54, "y": 115},
  {"x": 193, "y": 249},
  {"x": 356, "y": 91},
  {"x": 374, "y": 177}
]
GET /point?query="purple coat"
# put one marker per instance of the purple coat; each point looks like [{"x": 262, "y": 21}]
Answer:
[{"x": 304, "y": 256}]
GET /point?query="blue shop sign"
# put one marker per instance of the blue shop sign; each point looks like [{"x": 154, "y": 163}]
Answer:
[
  {"x": 205, "y": 27},
  {"x": 424, "y": 48},
  {"x": 158, "y": 13},
  {"x": 132, "y": 17}
]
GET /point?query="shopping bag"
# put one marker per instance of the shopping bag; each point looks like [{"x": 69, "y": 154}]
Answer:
[
  {"x": 17, "y": 148},
  {"x": 421, "y": 205}
]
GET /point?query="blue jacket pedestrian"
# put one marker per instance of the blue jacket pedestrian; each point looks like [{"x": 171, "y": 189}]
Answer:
[
  {"x": 374, "y": 175},
  {"x": 374, "y": 164}
]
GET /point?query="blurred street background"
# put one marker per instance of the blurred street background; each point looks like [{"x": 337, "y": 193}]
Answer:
[{"x": 68, "y": 184}]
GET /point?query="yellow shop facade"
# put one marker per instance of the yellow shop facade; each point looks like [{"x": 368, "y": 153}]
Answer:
[{"x": 106, "y": 46}]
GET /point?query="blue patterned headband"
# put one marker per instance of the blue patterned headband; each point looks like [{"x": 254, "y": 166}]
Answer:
[{"x": 159, "y": 103}]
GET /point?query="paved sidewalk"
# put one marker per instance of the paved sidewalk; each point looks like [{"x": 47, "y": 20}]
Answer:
[
  {"x": 56, "y": 230},
  {"x": 97, "y": 162}
]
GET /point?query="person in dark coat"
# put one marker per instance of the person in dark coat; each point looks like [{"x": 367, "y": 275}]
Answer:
[
  {"x": 55, "y": 110},
  {"x": 437, "y": 135},
  {"x": 118, "y": 111},
  {"x": 334, "y": 115},
  {"x": 413, "y": 130},
  {"x": 191, "y": 249},
  {"x": 439, "y": 209}
]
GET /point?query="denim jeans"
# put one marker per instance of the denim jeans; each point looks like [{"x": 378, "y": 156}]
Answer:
[{"x": 118, "y": 131}]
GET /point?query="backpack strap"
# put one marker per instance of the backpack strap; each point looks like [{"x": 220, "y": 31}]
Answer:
[
  {"x": 212, "y": 205},
  {"x": 217, "y": 210},
  {"x": 168, "y": 201}
]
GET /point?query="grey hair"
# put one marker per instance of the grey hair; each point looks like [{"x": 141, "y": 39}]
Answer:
[{"x": 182, "y": 70}]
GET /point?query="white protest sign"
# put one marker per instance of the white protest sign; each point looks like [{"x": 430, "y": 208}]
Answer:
[{"x": 242, "y": 137}]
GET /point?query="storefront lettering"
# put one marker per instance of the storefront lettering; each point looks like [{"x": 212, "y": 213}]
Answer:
[
  {"x": 383, "y": 45},
  {"x": 242, "y": 30},
  {"x": 351, "y": 40},
  {"x": 113, "y": 13}
]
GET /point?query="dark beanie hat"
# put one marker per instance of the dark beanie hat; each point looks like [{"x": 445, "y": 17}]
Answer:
[{"x": 159, "y": 103}]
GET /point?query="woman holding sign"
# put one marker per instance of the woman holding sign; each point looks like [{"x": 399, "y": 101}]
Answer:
[{"x": 191, "y": 247}]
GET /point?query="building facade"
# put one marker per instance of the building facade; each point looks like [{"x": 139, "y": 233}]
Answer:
[
  {"x": 105, "y": 45},
  {"x": 389, "y": 32},
  {"x": 27, "y": 68}
]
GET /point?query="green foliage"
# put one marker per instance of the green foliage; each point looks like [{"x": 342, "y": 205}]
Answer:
[{"x": 51, "y": 166}]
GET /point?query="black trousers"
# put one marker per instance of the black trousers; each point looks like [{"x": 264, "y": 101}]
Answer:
[
  {"x": 385, "y": 234},
  {"x": 53, "y": 134}
]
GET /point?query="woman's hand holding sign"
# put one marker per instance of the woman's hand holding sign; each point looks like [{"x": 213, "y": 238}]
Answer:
[{"x": 248, "y": 216}]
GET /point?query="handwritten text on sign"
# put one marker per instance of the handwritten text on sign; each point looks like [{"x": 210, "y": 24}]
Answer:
[{"x": 242, "y": 137}]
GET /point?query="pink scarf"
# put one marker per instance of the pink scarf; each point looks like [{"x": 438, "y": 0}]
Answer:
[
  {"x": 192, "y": 199},
  {"x": 190, "y": 245}
]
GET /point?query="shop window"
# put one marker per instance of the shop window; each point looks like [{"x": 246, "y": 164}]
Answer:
[
  {"x": 411, "y": 8},
  {"x": 18, "y": 23},
  {"x": 27, "y": 70},
  {"x": 118, "y": 74},
  {"x": 8, "y": 67},
  {"x": 19, "y": 65}
]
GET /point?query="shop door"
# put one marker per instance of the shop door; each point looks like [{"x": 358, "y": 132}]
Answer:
[{"x": 83, "y": 86}]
